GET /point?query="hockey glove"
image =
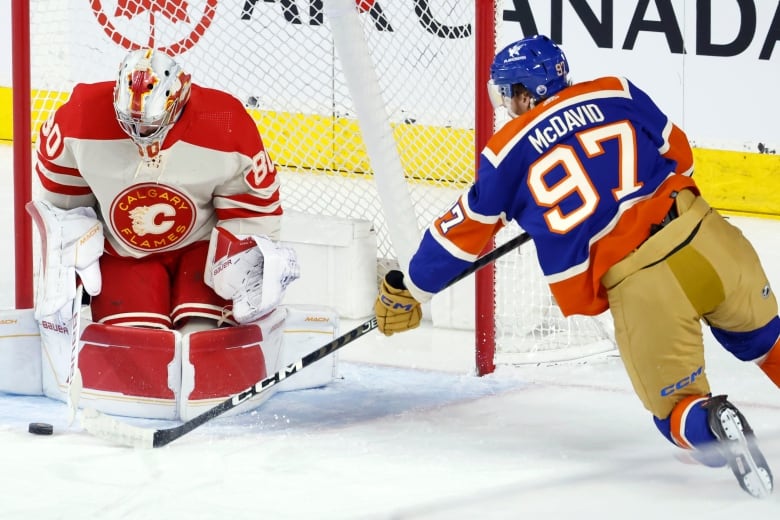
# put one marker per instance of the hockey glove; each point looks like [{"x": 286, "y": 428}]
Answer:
[
  {"x": 396, "y": 309},
  {"x": 251, "y": 270}
]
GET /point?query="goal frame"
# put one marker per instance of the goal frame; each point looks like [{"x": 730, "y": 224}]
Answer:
[{"x": 485, "y": 38}]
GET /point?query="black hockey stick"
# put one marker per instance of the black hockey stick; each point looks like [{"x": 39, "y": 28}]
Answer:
[{"x": 111, "y": 429}]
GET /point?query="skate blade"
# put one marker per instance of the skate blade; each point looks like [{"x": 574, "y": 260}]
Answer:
[{"x": 753, "y": 477}]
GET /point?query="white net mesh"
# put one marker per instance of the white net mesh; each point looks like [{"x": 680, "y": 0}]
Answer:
[{"x": 278, "y": 57}]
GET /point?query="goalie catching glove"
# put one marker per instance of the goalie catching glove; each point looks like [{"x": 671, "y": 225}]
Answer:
[
  {"x": 396, "y": 309},
  {"x": 253, "y": 271}
]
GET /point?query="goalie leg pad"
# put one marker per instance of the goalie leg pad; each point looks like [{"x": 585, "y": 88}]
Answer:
[
  {"x": 308, "y": 327},
  {"x": 59, "y": 348},
  {"x": 130, "y": 371},
  {"x": 20, "y": 353},
  {"x": 219, "y": 363}
]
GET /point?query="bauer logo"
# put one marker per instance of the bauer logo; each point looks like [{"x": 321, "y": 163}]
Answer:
[
  {"x": 55, "y": 327},
  {"x": 135, "y": 24},
  {"x": 152, "y": 217}
]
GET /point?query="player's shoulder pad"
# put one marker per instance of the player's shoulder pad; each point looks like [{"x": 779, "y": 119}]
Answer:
[
  {"x": 97, "y": 100},
  {"x": 220, "y": 121}
]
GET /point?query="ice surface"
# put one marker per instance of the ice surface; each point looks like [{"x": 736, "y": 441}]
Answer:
[{"x": 405, "y": 432}]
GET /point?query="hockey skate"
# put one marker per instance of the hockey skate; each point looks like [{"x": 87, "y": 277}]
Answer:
[{"x": 738, "y": 445}]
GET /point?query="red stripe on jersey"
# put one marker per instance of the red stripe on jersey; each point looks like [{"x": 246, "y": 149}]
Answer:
[
  {"x": 61, "y": 189},
  {"x": 232, "y": 213},
  {"x": 249, "y": 199},
  {"x": 56, "y": 168}
]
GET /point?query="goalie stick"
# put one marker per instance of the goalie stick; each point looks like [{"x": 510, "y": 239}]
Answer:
[{"x": 118, "y": 432}]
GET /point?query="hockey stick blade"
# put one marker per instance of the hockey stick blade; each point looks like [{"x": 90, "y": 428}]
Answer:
[{"x": 111, "y": 429}]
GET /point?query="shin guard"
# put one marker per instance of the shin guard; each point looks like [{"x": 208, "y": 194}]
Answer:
[
  {"x": 222, "y": 362},
  {"x": 130, "y": 371}
]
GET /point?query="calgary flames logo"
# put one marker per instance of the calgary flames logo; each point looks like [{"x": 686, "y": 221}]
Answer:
[
  {"x": 152, "y": 217},
  {"x": 136, "y": 24}
]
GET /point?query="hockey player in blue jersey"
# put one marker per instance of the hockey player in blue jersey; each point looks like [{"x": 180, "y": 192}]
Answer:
[{"x": 601, "y": 179}]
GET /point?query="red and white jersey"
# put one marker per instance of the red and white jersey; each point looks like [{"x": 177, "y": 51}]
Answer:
[{"x": 212, "y": 170}]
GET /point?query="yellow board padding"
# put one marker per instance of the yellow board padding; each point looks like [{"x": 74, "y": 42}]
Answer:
[
  {"x": 328, "y": 143},
  {"x": 735, "y": 182},
  {"x": 739, "y": 182},
  {"x": 43, "y": 103},
  {"x": 6, "y": 114}
]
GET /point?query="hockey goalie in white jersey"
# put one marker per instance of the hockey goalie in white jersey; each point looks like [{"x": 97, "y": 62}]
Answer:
[{"x": 160, "y": 198}]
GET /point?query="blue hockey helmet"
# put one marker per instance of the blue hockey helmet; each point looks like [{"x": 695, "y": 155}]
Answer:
[{"x": 535, "y": 62}]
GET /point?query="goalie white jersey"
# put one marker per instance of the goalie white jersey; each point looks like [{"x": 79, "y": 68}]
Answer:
[{"x": 212, "y": 169}]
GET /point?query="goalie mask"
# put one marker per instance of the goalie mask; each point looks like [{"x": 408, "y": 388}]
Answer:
[
  {"x": 536, "y": 63},
  {"x": 149, "y": 96}
]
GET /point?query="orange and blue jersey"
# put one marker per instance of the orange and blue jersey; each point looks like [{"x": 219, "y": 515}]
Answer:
[{"x": 586, "y": 173}]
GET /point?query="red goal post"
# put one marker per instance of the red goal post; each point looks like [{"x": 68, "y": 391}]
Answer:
[{"x": 431, "y": 61}]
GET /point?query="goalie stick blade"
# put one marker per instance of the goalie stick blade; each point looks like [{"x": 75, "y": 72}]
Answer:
[{"x": 115, "y": 431}]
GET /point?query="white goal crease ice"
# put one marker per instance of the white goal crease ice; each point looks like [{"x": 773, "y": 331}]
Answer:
[{"x": 399, "y": 164}]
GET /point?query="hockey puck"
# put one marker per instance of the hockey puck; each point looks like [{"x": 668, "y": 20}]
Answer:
[{"x": 40, "y": 428}]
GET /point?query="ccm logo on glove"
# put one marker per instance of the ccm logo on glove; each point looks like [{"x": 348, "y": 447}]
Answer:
[{"x": 395, "y": 307}]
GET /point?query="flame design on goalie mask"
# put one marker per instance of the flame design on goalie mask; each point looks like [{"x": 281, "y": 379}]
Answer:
[{"x": 150, "y": 94}]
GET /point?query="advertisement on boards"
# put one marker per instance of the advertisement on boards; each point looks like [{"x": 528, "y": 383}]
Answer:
[{"x": 712, "y": 65}]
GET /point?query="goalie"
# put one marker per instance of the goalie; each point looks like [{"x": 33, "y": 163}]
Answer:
[{"x": 177, "y": 180}]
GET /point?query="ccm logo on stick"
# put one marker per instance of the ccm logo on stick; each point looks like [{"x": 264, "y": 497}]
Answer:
[{"x": 682, "y": 383}]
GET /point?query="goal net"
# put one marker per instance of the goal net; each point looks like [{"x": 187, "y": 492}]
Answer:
[{"x": 280, "y": 58}]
